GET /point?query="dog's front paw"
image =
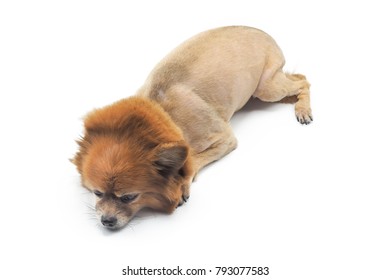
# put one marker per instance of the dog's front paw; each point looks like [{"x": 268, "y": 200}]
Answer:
[
  {"x": 303, "y": 115},
  {"x": 183, "y": 200},
  {"x": 185, "y": 189}
]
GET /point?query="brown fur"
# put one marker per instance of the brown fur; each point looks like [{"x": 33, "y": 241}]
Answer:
[
  {"x": 144, "y": 151},
  {"x": 121, "y": 142}
]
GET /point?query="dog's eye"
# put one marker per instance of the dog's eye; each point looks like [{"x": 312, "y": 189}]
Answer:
[
  {"x": 128, "y": 198},
  {"x": 98, "y": 194}
]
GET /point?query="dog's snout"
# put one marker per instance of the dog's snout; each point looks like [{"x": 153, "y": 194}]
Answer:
[{"x": 109, "y": 221}]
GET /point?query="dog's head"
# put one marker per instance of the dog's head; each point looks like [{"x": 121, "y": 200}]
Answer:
[
  {"x": 129, "y": 170},
  {"x": 125, "y": 178}
]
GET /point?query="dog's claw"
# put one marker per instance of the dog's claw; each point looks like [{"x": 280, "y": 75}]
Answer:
[
  {"x": 303, "y": 114},
  {"x": 304, "y": 119},
  {"x": 183, "y": 200}
]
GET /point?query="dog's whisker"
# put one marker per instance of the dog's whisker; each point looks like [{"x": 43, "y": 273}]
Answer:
[
  {"x": 130, "y": 227},
  {"x": 90, "y": 214},
  {"x": 91, "y": 208}
]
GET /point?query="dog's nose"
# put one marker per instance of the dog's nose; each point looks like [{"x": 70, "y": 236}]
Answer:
[{"x": 109, "y": 222}]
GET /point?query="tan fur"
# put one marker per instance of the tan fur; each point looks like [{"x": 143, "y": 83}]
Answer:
[{"x": 152, "y": 145}]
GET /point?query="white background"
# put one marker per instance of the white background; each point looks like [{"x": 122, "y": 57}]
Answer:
[{"x": 310, "y": 202}]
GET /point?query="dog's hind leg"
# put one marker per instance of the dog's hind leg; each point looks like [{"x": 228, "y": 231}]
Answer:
[
  {"x": 278, "y": 85},
  {"x": 302, "y": 107}
]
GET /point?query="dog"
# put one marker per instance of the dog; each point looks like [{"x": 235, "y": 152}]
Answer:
[{"x": 144, "y": 151}]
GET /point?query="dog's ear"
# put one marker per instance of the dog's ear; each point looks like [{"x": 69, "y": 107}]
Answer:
[
  {"x": 78, "y": 158},
  {"x": 170, "y": 158}
]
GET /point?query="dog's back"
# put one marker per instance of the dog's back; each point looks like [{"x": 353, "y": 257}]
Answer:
[{"x": 223, "y": 67}]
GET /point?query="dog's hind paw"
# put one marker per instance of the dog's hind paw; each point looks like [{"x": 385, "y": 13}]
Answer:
[{"x": 303, "y": 115}]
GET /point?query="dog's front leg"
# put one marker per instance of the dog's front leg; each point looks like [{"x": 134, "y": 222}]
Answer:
[{"x": 223, "y": 143}]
